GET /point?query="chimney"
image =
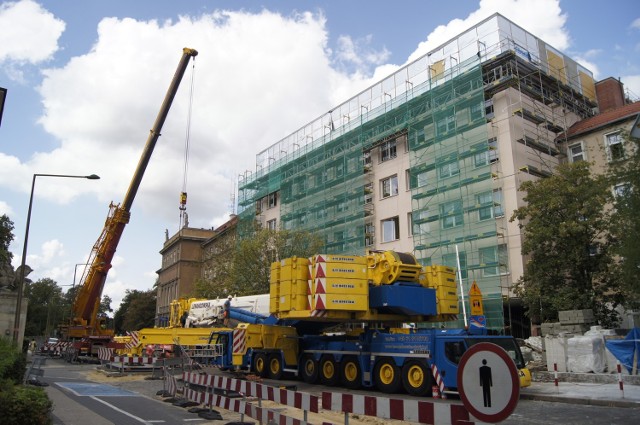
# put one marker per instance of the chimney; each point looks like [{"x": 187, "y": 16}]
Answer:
[{"x": 610, "y": 94}]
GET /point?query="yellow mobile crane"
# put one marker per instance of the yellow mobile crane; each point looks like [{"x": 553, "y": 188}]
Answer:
[{"x": 85, "y": 324}]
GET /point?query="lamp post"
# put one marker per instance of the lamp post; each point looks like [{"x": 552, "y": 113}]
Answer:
[{"x": 16, "y": 322}]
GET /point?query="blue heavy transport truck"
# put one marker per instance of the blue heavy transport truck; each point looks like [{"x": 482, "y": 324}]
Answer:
[{"x": 358, "y": 321}]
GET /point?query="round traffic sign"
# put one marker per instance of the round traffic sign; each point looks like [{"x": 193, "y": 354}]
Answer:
[{"x": 488, "y": 382}]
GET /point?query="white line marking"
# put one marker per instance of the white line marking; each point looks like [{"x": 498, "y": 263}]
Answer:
[{"x": 123, "y": 411}]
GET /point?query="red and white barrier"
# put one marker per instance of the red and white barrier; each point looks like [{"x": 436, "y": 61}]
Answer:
[
  {"x": 134, "y": 341},
  {"x": 438, "y": 378},
  {"x": 620, "y": 384},
  {"x": 239, "y": 406},
  {"x": 426, "y": 412},
  {"x": 290, "y": 398},
  {"x": 105, "y": 353},
  {"x": 133, "y": 360}
]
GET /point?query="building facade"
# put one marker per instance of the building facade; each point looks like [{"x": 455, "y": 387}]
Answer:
[
  {"x": 430, "y": 159},
  {"x": 181, "y": 268}
]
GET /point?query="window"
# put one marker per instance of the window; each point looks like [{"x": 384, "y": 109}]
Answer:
[
  {"x": 445, "y": 125},
  {"x": 488, "y": 108},
  {"x": 576, "y": 152},
  {"x": 415, "y": 179},
  {"x": 419, "y": 223},
  {"x": 490, "y": 205},
  {"x": 390, "y": 229},
  {"x": 368, "y": 193},
  {"x": 451, "y": 213},
  {"x": 449, "y": 170},
  {"x": 369, "y": 233},
  {"x": 321, "y": 213},
  {"x": 259, "y": 206},
  {"x": 450, "y": 260},
  {"x": 388, "y": 150},
  {"x": 621, "y": 190},
  {"x": 342, "y": 206},
  {"x": 271, "y": 224},
  {"x": 389, "y": 186},
  {"x": 488, "y": 154},
  {"x": 615, "y": 148},
  {"x": 366, "y": 158},
  {"x": 273, "y": 199},
  {"x": 410, "y": 222},
  {"x": 494, "y": 260},
  {"x": 476, "y": 110}
]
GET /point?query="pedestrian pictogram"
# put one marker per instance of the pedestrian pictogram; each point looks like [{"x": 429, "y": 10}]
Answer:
[{"x": 488, "y": 382}]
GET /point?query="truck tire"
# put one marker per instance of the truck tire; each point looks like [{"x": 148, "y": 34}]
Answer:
[
  {"x": 309, "y": 369},
  {"x": 275, "y": 366},
  {"x": 328, "y": 370},
  {"x": 260, "y": 365},
  {"x": 416, "y": 378},
  {"x": 387, "y": 376},
  {"x": 351, "y": 372}
]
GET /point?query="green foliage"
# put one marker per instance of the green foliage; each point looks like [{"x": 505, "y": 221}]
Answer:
[
  {"x": 12, "y": 362},
  {"x": 566, "y": 238},
  {"x": 137, "y": 311},
  {"x": 6, "y": 237},
  {"x": 252, "y": 262},
  {"x": 626, "y": 220},
  {"x": 19, "y": 404},
  {"x": 249, "y": 264},
  {"x": 24, "y": 405},
  {"x": 46, "y": 307}
]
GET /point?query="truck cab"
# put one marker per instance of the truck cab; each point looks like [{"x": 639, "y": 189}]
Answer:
[{"x": 450, "y": 345}]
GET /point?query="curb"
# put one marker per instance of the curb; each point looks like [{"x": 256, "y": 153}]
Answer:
[{"x": 582, "y": 401}]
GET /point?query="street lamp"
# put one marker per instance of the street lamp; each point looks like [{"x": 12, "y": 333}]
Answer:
[{"x": 16, "y": 322}]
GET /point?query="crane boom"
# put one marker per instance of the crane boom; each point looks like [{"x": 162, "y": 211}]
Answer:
[{"x": 85, "y": 308}]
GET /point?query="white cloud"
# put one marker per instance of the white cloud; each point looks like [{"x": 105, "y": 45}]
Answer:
[
  {"x": 544, "y": 18},
  {"x": 28, "y": 33},
  {"x": 636, "y": 23},
  {"x": 358, "y": 54},
  {"x": 5, "y": 209},
  {"x": 101, "y": 105},
  {"x": 632, "y": 84}
]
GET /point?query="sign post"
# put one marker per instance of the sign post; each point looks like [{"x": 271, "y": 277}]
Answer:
[{"x": 488, "y": 382}]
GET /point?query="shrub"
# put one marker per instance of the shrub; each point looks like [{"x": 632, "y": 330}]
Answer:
[
  {"x": 13, "y": 363},
  {"x": 20, "y": 404},
  {"x": 24, "y": 405}
]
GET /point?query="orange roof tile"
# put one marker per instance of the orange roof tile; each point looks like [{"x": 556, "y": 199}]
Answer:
[{"x": 603, "y": 119}]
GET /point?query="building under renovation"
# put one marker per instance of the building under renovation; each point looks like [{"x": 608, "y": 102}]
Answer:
[{"x": 430, "y": 159}]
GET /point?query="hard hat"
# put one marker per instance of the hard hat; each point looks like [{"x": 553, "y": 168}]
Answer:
[{"x": 230, "y": 296}]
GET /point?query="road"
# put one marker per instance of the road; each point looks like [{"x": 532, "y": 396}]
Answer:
[{"x": 83, "y": 396}]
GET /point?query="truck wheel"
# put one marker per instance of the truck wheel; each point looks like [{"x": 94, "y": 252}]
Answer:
[
  {"x": 416, "y": 378},
  {"x": 351, "y": 373},
  {"x": 328, "y": 371},
  {"x": 387, "y": 376},
  {"x": 275, "y": 366},
  {"x": 260, "y": 365},
  {"x": 309, "y": 369}
]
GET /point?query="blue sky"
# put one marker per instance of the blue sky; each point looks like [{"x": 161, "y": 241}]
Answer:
[{"x": 85, "y": 81}]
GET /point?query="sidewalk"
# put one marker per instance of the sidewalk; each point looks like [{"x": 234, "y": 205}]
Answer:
[{"x": 584, "y": 393}]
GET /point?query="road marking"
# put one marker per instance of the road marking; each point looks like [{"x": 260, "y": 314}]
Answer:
[
  {"x": 84, "y": 389},
  {"x": 124, "y": 412}
]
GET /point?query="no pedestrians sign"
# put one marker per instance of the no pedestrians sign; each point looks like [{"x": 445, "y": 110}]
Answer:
[{"x": 488, "y": 382}]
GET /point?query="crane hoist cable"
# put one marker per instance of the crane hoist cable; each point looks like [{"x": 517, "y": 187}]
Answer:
[{"x": 183, "y": 194}]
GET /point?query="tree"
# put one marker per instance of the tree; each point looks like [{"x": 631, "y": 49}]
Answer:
[
  {"x": 252, "y": 262},
  {"x": 625, "y": 177},
  {"x": 6, "y": 237},
  {"x": 566, "y": 238},
  {"x": 45, "y": 309},
  {"x": 137, "y": 310}
]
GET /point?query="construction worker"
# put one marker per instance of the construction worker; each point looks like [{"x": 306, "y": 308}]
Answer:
[{"x": 227, "y": 307}]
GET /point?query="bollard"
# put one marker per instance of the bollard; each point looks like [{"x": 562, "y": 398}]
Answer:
[{"x": 555, "y": 376}]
